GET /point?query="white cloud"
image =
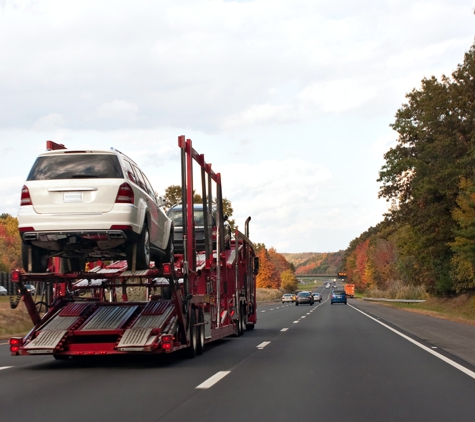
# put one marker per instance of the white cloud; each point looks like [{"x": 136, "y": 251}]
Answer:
[
  {"x": 118, "y": 110},
  {"x": 50, "y": 122},
  {"x": 256, "y": 85}
]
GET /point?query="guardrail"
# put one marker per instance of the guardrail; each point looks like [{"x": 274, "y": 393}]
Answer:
[{"x": 380, "y": 299}]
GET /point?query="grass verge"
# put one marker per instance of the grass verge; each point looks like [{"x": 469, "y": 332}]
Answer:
[{"x": 13, "y": 322}]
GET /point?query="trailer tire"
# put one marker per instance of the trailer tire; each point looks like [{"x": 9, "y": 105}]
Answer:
[
  {"x": 61, "y": 357},
  {"x": 192, "y": 348},
  {"x": 250, "y": 326},
  {"x": 39, "y": 258},
  {"x": 242, "y": 324},
  {"x": 200, "y": 347}
]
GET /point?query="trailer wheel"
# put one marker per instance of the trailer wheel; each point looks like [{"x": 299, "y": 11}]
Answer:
[
  {"x": 39, "y": 258},
  {"x": 61, "y": 357},
  {"x": 200, "y": 347},
  {"x": 242, "y": 324},
  {"x": 250, "y": 326},
  {"x": 192, "y": 348}
]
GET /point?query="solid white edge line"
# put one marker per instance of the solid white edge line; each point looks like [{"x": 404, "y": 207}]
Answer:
[
  {"x": 427, "y": 349},
  {"x": 263, "y": 344},
  {"x": 213, "y": 380},
  {"x": 5, "y": 367},
  {"x": 4, "y": 344}
]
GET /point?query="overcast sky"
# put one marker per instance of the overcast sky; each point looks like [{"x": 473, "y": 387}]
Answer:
[{"x": 290, "y": 100}]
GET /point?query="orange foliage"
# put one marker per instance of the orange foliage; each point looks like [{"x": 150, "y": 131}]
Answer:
[
  {"x": 10, "y": 243},
  {"x": 268, "y": 276}
]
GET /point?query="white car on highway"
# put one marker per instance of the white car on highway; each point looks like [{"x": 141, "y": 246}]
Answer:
[{"x": 86, "y": 205}]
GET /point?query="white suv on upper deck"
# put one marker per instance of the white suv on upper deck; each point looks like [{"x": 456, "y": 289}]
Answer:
[{"x": 85, "y": 205}]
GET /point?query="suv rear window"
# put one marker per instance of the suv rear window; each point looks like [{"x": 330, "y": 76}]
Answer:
[{"x": 76, "y": 166}]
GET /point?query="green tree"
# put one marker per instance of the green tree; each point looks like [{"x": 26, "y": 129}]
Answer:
[
  {"x": 173, "y": 197},
  {"x": 464, "y": 243},
  {"x": 434, "y": 150},
  {"x": 288, "y": 281}
]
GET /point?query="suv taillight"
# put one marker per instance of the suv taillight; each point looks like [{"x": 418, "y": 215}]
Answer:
[
  {"x": 125, "y": 194},
  {"x": 25, "y": 196}
]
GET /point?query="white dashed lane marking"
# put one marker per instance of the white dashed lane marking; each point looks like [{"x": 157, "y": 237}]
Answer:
[
  {"x": 213, "y": 380},
  {"x": 263, "y": 344},
  {"x": 284, "y": 329},
  {"x": 5, "y": 367}
]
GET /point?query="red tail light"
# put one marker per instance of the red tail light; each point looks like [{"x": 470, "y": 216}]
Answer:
[
  {"x": 25, "y": 196},
  {"x": 15, "y": 276},
  {"x": 125, "y": 194},
  {"x": 15, "y": 344},
  {"x": 167, "y": 269},
  {"x": 167, "y": 342}
]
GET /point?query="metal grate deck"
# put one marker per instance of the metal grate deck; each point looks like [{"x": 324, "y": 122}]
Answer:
[
  {"x": 48, "y": 339},
  {"x": 136, "y": 337},
  {"x": 109, "y": 318}
]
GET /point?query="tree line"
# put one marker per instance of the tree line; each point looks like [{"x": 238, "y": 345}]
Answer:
[{"x": 427, "y": 238}]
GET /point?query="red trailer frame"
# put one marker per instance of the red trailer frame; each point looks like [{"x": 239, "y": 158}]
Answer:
[{"x": 203, "y": 295}]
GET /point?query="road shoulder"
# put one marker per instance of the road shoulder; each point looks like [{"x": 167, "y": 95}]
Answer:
[{"x": 455, "y": 338}]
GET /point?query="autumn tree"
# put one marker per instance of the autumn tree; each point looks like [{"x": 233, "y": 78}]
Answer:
[
  {"x": 10, "y": 243},
  {"x": 278, "y": 260},
  {"x": 268, "y": 276}
]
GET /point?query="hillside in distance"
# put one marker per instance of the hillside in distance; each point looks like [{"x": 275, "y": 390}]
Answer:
[{"x": 315, "y": 262}]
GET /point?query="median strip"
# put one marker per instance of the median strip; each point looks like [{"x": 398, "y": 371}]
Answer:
[{"x": 213, "y": 380}]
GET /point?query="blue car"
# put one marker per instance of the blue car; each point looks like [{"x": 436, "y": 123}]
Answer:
[{"x": 338, "y": 296}]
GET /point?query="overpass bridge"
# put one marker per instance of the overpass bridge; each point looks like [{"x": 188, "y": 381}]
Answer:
[{"x": 340, "y": 276}]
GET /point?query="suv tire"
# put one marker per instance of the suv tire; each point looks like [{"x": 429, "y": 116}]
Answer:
[
  {"x": 142, "y": 261},
  {"x": 39, "y": 261}
]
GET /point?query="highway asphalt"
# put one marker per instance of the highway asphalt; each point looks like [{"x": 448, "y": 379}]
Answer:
[{"x": 321, "y": 362}]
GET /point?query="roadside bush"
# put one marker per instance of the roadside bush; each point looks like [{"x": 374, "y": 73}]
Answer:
[
  {"x": 399, "y": 290},
  {"x": 267, "y": 295}
]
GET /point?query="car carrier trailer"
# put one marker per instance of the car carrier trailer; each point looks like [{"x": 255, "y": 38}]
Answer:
[{"x": 199, "y": 297}]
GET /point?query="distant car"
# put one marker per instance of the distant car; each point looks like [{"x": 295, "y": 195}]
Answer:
[
  {"x": 338, "y": 296},
  {"x": 304, "y": 297},
  {"x": 30, "y": 288},
  {"x": 3, "y": 291},
  {"x": 86, "y": 205},
  {"x": 175, "y": 214},
  {"x": 327, "y": 286},
  {"x": 288, "y": 297},
  {"x": 317, "y": 297}
]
